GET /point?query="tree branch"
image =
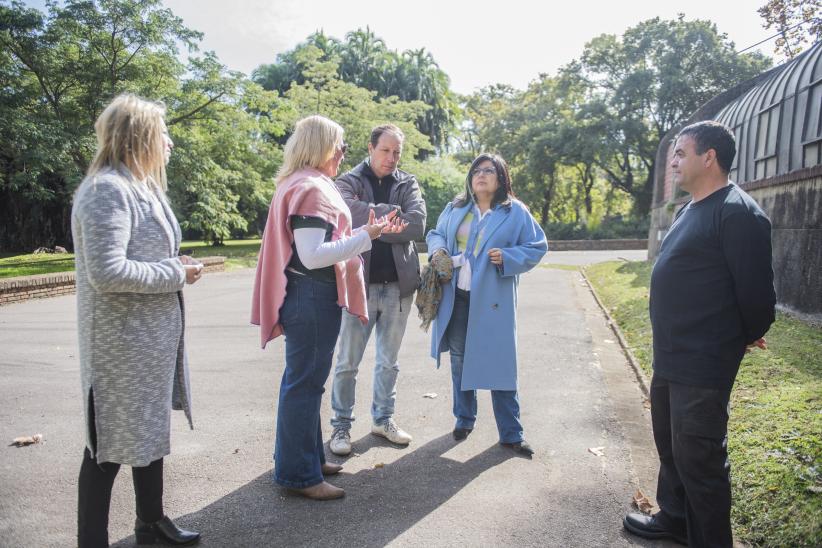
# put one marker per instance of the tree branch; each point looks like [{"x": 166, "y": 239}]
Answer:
[{"x": 196, "y": 110}]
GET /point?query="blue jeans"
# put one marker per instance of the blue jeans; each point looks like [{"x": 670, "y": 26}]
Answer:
[
  {"x": 505, "y": 402},
  {"x": 310, "y": 317},
  {"x": 389, "y": 314}
]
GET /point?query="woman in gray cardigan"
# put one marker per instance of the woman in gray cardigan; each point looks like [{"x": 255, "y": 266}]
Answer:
[{"x": 130, "y": 319}]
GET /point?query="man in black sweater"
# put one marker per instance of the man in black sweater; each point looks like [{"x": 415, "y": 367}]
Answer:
[{"x": 712, "y": 298}]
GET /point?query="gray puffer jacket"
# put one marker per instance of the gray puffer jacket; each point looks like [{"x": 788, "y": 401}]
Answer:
[{"x": 406, "y": 198}]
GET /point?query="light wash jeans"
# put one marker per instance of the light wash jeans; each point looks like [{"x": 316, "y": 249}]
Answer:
[{"x": 389, "y": 314}]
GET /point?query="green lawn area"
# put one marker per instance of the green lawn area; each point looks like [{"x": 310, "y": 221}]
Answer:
[
  {"x": 238, "y": 253},
  {"x": 29, "y": 264},
  {"x": 775, "y": 430}
]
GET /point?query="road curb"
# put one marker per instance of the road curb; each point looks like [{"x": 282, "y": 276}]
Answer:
[{"x": 644, "y": 382}]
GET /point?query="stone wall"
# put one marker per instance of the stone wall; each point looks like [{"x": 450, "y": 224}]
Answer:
[
  {"x": 23, "y": 288},
  {"x": 793, "y": 202},
  {"x": 795, "y": 210}
]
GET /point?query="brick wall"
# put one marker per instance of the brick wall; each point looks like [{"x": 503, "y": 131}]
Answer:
[{"x": 23, "y": 288}]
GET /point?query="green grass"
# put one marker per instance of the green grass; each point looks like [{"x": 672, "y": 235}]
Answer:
[
  {"x": 29, "y": 264},
  {"x": 238, "y": 253},
  {"x": 775, "y": 430},
  {"x": 556, "y": 266}
]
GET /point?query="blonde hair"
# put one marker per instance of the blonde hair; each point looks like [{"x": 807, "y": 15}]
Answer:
[
  {"x": 313, "y": 143},
  {"x": 130, "y": 133}
]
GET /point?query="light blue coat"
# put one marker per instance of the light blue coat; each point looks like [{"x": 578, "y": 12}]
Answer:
[{"x": 491, "y": 343}]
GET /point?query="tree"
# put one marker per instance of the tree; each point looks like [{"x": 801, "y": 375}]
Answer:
[
  {"x": 365, "y": 61},
  {"x": 61, "y": 68},
  {"x": 798, "y": 22},
  {"x": 356, "y": 108},
  {"x": 651, "y": 79}
]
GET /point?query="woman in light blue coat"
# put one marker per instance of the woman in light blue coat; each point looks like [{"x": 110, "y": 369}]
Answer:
[{"x": 491, "y": 238}]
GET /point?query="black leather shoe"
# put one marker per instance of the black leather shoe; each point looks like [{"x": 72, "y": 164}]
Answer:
[
  {"x": 522, "y": 447},
  {"x": 461, "y": 433},
  {"x": 649, "y": 527},
  {"x": 163, "y": 531}
]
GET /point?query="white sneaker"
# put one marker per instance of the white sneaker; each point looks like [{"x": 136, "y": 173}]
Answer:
[
  {"x": 340, "y": 441},
  {"x": 391, "y": 432}
]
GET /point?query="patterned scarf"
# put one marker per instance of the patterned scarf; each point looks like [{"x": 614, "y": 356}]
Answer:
[{"x": 437, "y": 272}]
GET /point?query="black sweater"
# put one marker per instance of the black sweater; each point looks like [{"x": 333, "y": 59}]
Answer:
[
  {"x": 712, "y": 289},
  {"x": 382, "y": 264}
]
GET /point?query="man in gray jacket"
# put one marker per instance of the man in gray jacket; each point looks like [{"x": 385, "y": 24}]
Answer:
[{"x": 392, "y": 273}]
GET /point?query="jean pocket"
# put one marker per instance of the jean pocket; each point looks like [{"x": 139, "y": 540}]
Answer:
[{"x": 290, "y": 309}]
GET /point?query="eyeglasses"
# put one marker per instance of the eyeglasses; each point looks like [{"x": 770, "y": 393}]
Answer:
[
  {"x": 343, "y": 148},
  {"x": 483, "y": 171}
]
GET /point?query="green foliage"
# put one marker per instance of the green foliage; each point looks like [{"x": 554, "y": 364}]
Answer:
[
  {"x": 58, "y": 71},
  {"x": 364, "y": 61},
  {"x": 596, "y": 125},
  {"x": 775, "y": 444},
  {"x": 441, "y": 178},
  {"x": 355, "y": 108},
  {"x": 608, "y": 229},
  {"x": 799, "y": 23},
  {"x": 62, "y": 69}
]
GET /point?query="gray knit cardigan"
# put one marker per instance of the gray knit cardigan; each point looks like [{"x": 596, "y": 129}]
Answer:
[{"x": 130, "y": 317}]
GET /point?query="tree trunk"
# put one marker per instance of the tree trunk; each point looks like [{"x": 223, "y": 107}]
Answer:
[
  {"x": 644, "y": 196},
  {"x": 547, "y": 195}
]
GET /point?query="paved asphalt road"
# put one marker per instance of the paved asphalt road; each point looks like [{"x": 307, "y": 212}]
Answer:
[{"x": 577, "y": 392}]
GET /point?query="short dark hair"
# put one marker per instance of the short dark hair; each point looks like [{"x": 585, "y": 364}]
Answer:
[
  {"x": 713, "y": 135},
  {"x": 377, "y": 132},
  {"x": 504, "y": 192}
]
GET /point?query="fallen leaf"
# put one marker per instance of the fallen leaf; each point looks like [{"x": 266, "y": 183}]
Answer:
[
  {"x": 642, "y": 503},
  {"x": 379, "y": 465},
  {"x": 598, "y": 451},
  {"x": 430, "y": 395},
  {"x": 22, "y": 441},
  {"x": 236, "y": 450},
  {"x": 646, "y": 403}
]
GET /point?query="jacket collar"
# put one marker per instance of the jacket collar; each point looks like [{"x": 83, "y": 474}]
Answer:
[
  {"x": 366, "y": 170},
  {"x": 160, "y": 209}
]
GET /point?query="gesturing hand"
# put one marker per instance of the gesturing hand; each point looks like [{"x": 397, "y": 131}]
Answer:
[
  {"x": 374, "y": 226},
  {"x": 389, "y": 224},
  {"x": 395, "y": 224}
]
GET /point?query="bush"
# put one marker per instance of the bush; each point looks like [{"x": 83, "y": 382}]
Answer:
[{"x": 610, "y": 228}]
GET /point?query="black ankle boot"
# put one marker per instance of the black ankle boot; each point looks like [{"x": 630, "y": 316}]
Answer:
[{"x": 163, "y": 531}]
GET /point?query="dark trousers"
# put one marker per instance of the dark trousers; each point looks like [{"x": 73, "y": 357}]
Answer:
[
  {"x": 311, "y": 318},
  {"x": 94, "y": 497},
  {"x": 690, "y": 426}
]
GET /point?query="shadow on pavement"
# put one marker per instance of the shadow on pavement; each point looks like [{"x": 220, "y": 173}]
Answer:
[{"x": 380, "y": 504}]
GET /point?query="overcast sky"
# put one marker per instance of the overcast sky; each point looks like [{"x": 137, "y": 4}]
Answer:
[{"x": 476, "y": 42}]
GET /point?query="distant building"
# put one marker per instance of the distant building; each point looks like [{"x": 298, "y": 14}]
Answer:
[{"x": 777, "y": 120}]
